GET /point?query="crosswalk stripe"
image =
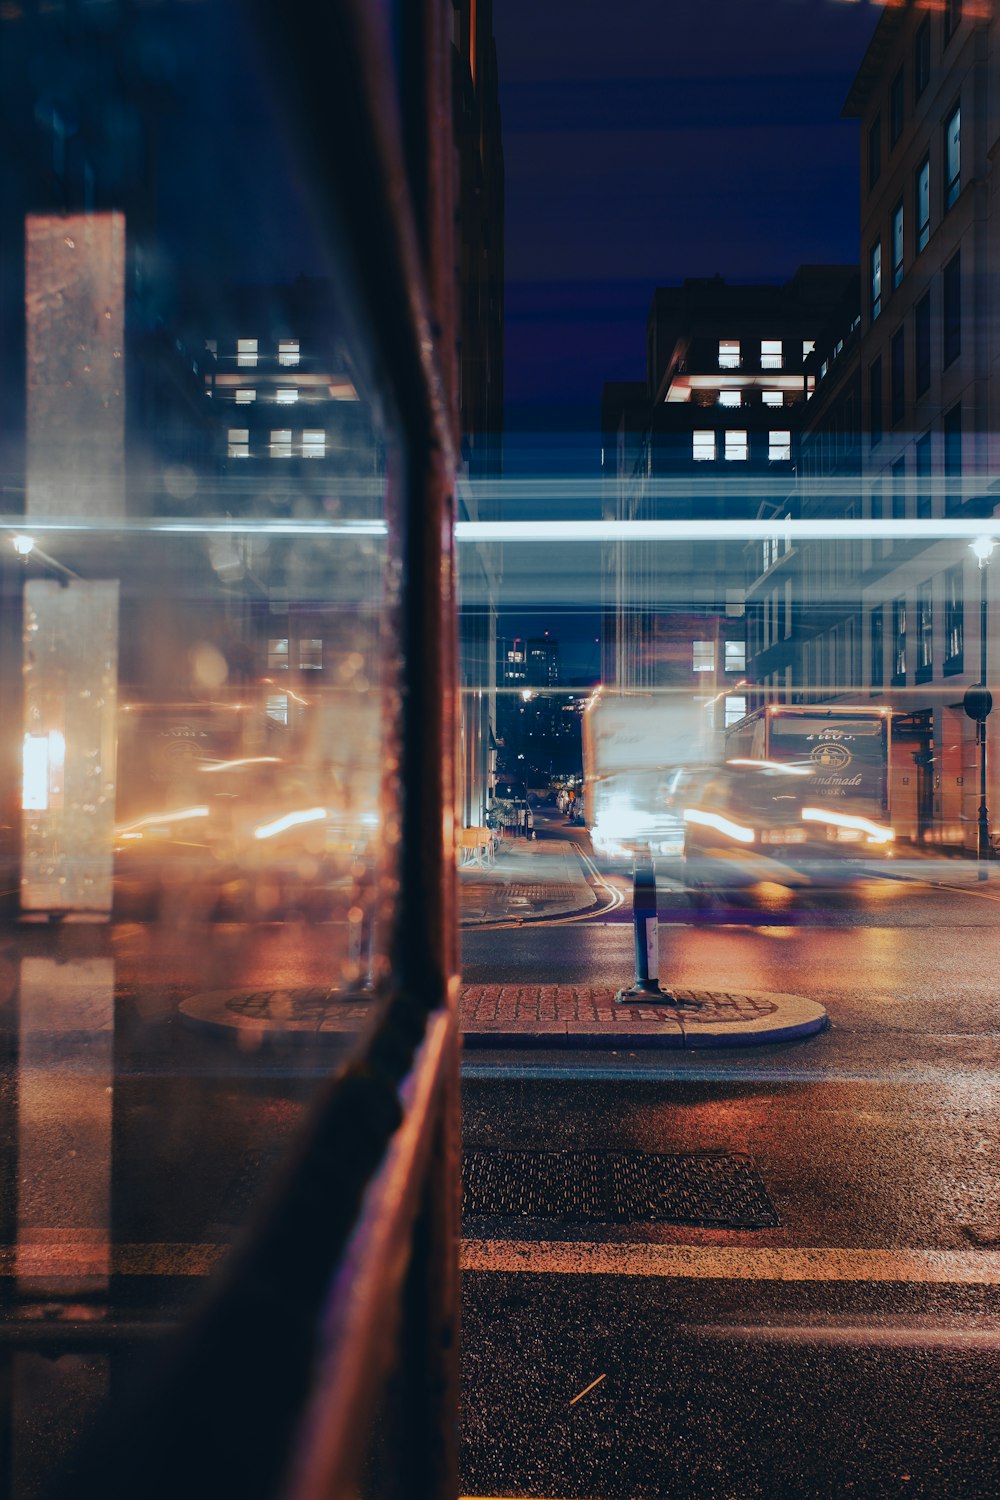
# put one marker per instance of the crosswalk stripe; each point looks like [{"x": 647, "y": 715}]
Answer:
[
  {"x": 733, "y": 1262},
  {"x": 557, "y": 1258}
]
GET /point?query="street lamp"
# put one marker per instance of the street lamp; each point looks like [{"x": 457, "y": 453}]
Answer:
[{"x": 982, "y": 548}]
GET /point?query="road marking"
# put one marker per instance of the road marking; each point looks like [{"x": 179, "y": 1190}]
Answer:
[
  {"x": 617, "y": 899},
  {"x": 83, "y": 1257},
  {"x": 560, "y": 1258},
  {"x": 732, "y": 1262}
]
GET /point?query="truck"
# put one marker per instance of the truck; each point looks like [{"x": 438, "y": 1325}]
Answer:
[
  {"x": 847, "y": 747},
  {"x": 632, "y": 744}
]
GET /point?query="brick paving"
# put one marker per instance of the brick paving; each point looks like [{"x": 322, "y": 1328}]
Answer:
[{"x": 541, "y": 1015}]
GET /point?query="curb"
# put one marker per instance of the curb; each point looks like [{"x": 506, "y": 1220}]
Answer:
[{"x": 792, "y": 1018}]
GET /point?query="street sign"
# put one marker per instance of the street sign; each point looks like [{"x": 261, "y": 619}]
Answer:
[{"x": 978, "y": 703}]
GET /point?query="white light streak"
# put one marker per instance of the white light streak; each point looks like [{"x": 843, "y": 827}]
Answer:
[
  {"x": 246, "y": 760},
  {"x": 721, "y": 824},
  {"x": 157, "y": 820},
  {"x": 877, "y": 833},
  {"x": 290, "y": 820},
  {"x": 774, "y": 765}
]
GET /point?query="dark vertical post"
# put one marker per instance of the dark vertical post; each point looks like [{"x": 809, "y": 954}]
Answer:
[
  {"x": 646, "y": 933},
  {"x": 984, "y": 814}
]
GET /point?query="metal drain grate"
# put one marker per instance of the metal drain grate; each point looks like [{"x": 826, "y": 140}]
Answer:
[{"x": 718, "y": 1188}]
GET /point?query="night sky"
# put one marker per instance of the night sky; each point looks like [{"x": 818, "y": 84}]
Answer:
[
  {"x": 646, "y": 141},
  {"x": 649, "y": 140}
]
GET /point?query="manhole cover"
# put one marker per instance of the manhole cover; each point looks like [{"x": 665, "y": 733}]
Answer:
[{"x": 718, "y": 1188}]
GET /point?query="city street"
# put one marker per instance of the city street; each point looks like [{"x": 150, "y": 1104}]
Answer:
[{"x": 839, "y": 1351}]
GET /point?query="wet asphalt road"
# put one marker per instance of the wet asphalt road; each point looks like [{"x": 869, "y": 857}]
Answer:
[{"x": 871, "y": 1372}]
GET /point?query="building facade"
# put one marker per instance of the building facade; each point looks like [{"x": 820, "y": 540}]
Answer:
[
  {"x": 902, "y": 425},
  {"x": 711, "y": 434}
]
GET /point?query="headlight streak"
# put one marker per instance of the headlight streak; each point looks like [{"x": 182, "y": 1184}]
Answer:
[
  {"x": 878, "y": 833},
  {"x": 157, "y": 820},
  {"x": 290, "y": 820},
  {"x": 723, "y": 825}
]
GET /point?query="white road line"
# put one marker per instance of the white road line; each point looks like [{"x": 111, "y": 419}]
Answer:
[{"x": 733, "y": 1263}]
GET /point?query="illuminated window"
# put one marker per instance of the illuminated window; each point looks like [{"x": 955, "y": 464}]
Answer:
[
  {"x": 239, "y": 442},
  {"x": 244, "y": 397},
  {"x": 922, "y": 201},
  {"x": 875, "y": 278},
  {"x": 736, "y": 707},
  {"x": 773, "y": 398},
  {"x": 729, "y": 354},
  {"x": 737, "y": 445},
  {"x": 770, "y": 354},
  {"x": 276, "y": 707},
  {"x": 808, "y": 347},
  {"x": 277, "y": 655},
  {"x": 702, "y": 446},
  {"x": 246, "y": 353},
  {"x": 898, "y": 641},
  {"x": 703, "y": 656},
  {"x": 925, "y": 630},
  {"x": 281, "y": 443},
  {"x": 897, "y": 244},
  {"x": 288, "y": 351},
  {"x": 313, "y": 444},
  {"x": 952, "y": 157},
  {"x": 730, "y": 398},
  {"x": 736, "y": 656},
  {"x": 286, "y": 395},
  {"x": 310, "y": 655},
  {"x": 779, "y": 447},
  {"x": 954, "y": 619}
]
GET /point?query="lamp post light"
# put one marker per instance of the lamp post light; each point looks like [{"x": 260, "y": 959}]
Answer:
[{"x": 982, "y": 702}]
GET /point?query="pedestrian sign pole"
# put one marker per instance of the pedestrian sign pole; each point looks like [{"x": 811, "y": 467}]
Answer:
[{"x": 646, "y": 984}]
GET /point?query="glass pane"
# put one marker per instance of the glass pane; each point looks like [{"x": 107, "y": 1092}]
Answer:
[{"x": 199, "y": 668}]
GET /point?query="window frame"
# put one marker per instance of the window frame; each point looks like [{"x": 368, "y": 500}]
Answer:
[
  {"x": 922, "y": 205},
  {"x": 952, "y": 185},
  {"x": 897, "y": 107},
  {"x": 874, "y": 146},
  {"x": 921, "y": 58},
  {"x": 876, "y": 398},
  {"x": 875, "y": 279},
  {"x": 897, "y": 376},
  {"x": 730, "y": 441},
  {"x": 896, "y": 232},
  {"x": 898, "y": 661},
  {"x": 954, "y": 621},
  {"x": 951, "y": 310},
  {"x": 923, "y": 468},
  {"x": 922, "y": 344},
  {"x": 924, "y": 631}
]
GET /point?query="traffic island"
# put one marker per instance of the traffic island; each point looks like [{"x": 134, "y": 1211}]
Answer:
[{"x": 579, "y": 1016}]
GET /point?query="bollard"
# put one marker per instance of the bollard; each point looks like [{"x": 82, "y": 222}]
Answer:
[{"x": 647, "y": 938}]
